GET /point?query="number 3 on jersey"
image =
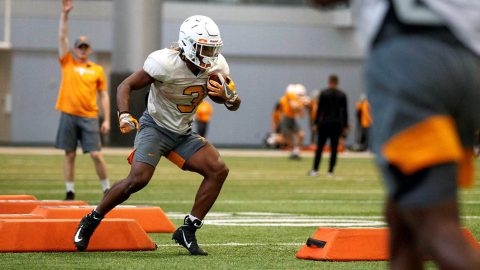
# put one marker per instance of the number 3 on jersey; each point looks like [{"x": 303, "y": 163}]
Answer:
[{"x": 197, "y": 93}]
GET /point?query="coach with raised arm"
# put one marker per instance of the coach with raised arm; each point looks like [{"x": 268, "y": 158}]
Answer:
[{"x": 82, "y": 81}]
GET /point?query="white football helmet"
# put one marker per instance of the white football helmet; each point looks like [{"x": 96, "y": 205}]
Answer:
[
  {"x": 200, "y": 40},
  {"x": 300, "y": 90},
  {"x": 291, "y": 89}
]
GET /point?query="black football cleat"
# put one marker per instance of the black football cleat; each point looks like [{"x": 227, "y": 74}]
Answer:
[
  {"x": 85, "y": 229},
  {"x": 185, "y": 236},
  {"x": 70, "y": 196}
]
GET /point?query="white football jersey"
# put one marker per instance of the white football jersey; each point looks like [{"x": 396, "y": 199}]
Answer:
[
  {"x": 176, "y": 92},
  {"x": 461, "y": 16}
]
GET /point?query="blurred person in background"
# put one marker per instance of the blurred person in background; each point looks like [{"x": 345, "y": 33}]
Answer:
[
  {"x": 203, "y": 117},
  {"x": 364, "y": 121},
  {"x": 331, "y": 122},
  {"x": 274, "y": 138},
  {"x": 312, "y": 113},
  {"x": 422, "y": 76},
  {"x": 82, "y": 81},
  {"x": 307, "y": 106},
  {"x": 292, "y": 108}
]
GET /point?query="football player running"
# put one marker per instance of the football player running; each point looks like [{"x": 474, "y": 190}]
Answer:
[{"x": 178, "y": 83}]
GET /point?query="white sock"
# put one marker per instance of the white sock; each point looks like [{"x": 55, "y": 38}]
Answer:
[
  {"x": 70, "y": 186},
  {"x": 192, "y": 217},
  {"x": 105, "y": 184}
]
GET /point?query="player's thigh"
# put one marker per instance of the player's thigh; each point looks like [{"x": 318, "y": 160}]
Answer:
[
  {"x": 206, "y": 161},
  {"x": 186, "y": 145},
  {"x": 140, "y": 173}
]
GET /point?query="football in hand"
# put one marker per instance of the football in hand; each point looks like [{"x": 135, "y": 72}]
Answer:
[{"x": 215, "y": 77}]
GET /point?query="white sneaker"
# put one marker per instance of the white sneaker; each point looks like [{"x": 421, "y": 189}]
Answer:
[
  {"x": 330, "y": 174},
  {"x": 313, "y": 173}
]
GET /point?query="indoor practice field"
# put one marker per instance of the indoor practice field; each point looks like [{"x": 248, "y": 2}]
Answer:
[{"x": 267, "y": 209}]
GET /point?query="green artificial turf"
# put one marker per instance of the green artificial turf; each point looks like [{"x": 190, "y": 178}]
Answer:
[{"x": 269, "y": 189}]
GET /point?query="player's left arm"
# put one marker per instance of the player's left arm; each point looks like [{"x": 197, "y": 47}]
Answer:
[
  {"x": 225, "y": 90},
  {"x": 234, "y": 102},
  {"x": 105, "y": 103}
]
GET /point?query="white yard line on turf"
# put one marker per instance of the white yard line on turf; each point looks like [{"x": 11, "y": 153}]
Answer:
[
  {"x": 470, "y": 202},
  {"x": 264, "y": 202},
  {"x": 238, "y": 244},
  {"x": 312, "y": 224},
  {"x": 268, "y": 219}
]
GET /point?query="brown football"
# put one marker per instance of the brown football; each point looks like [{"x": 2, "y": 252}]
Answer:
[{"x": 215, "y": 77}]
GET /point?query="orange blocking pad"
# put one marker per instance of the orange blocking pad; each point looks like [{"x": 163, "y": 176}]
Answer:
[
  {"x": 353, "y": 244},
  {"x": 19, "y": 216},
  {"x": 17, "y": 197},
  {"x": 27, "y": 206},
  {"x": 348, "y": 245},
  {"x": 27, "y": 235},
  {"x": 150, "y": 218}
]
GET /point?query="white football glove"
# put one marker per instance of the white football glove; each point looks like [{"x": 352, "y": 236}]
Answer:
[
  {"x": 126, "y": 122},
  {"x": 226, "y": 90}
]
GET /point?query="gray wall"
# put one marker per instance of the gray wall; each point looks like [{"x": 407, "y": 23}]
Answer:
[{"x": 267, "y": 48}]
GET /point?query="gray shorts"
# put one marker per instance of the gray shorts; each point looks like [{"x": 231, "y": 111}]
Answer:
[
  {"x": 73, "y": 129},
  {"x": 424, "y": 91},
  {"x": 152, "y": 142},
  {"x": 289, "y": 126}
]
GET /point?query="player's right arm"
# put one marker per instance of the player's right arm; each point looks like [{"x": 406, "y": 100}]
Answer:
[
  {"x": 67, "y": 6},
  {"x": 138, "y": 80}
]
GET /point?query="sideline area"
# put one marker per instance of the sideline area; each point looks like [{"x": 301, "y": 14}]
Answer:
[{"x": 125, "y": 151}]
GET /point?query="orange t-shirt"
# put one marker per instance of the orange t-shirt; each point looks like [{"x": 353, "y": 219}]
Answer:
[
  {"x": 290, "y": 105},
  {"x": 365, "y": 117},
  {"x": 204, "y": 112},
  {"x": 79, "y": 86}
]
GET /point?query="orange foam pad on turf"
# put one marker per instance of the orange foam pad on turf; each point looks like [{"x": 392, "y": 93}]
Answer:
[
  {"x": 355, "y": 244},
  {"x": 150, "y": 218},
  {"x": 27, "y": 206},
  {"x": 19, "y": 216},
  {"x": 27, "y": 235},
  {"x": 17, "y": 197},
  {"x": 348, "y": 245}
]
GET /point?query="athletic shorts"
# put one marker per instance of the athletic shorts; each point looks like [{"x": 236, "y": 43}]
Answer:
[
  {"x": 152, "y": 142},
  {"x": 288, "y": 126},
  {"x": 424, "y": 91},
  {"x": 73, "y": 129}
]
